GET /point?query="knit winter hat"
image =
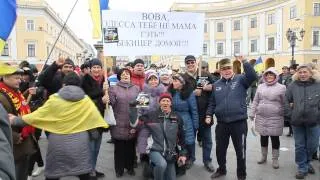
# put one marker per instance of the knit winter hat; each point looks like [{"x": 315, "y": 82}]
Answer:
[
  {"x": 180, "y": 78},
  {"x": 152, "y": 75},
  {"x": 69, "y": 61},
  {"x": 165, "y": 95},
  {"x": 95, "y": 62},
  {"x": 137, "y": 61}
]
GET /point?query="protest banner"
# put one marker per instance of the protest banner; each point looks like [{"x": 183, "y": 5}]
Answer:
[{"x": 148, "y": 33}]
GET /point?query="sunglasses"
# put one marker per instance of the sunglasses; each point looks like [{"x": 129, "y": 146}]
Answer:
[
  {"x": 190, "y": 62},
  {"x": 203, "y": 67}
]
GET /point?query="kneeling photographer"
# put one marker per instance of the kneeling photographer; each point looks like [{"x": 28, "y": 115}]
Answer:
[{"x": 166, "y": 130}]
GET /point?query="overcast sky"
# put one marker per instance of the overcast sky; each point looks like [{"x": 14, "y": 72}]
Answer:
[{"x": 80, "y": 20}]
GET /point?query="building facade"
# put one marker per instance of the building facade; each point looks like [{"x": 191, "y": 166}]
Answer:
[
  {"x": 257, "y": 28},
  {"x": 35, "y": 32}
]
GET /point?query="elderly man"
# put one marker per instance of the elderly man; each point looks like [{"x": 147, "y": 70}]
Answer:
[
  {"x": 302, "y": 106},
  {"x": 228, "y": 103},
  {"x": 166, "y": 129},
  {"x": 14, "y": 102}
]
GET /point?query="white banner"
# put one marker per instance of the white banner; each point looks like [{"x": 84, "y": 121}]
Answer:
[{"x": 144, "y": 33}]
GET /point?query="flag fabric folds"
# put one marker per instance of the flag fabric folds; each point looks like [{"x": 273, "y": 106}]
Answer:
[
  {"x": 259, "y": 66},
  {"x": 96, "y": 6},
  {"x": 104, "y": 4},
  {"x": 8, "y": 18}
]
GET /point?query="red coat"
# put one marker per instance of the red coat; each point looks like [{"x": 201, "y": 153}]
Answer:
[{"x": 138, "y": 80}]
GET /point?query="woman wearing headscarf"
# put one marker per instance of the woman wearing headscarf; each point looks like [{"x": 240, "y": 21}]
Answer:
[
  {"x": 185, "y": 105},
  {"x": 122, "y": 133},
  {"x": 268, "y": 113}
]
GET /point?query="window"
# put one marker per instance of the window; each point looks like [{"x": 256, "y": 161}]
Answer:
[
  {"x": 271, "y": 19},
  {"x": 236, "y": 47},
  {"x": 236, "y": 25},
  {"x": 270, "y": 43},
  {"x": 253, "y": 23},
  {"x": 30, "y": 25},
  {"x": 31, "y": 50},
  {"x": 293, "y": 12},
  {"x": 220, "y": 27},
  {"x": 220, "y": 48},
  {"x": 254, "y": 46},
  {"x": 315, "y": 61},
  {"x": 205, "y": 49},
  {"x": 316, "y": 9},
  {"x": 5, "y": 51},
  {"x": 315, "y": 39},
  {"x": 205, "y": 27}
]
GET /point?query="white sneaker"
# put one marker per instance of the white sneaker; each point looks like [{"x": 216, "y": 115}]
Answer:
[
  {"x": 29, "y": 177},
  {"x": 38, "y": 171}
]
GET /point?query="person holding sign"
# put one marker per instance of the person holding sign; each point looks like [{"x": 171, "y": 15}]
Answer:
[
  {"x": 228, "y": 103},
  {"x": 92, "y": 84}
]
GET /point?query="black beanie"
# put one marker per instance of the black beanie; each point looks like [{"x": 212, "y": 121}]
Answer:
[
  {"x": 69, "y": 61},
  {"x": 95, "y": 62},
  {"x": 137, "y": 61}
]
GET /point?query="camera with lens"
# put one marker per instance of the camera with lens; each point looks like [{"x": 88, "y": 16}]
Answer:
[{"x": 202, "y": 81}]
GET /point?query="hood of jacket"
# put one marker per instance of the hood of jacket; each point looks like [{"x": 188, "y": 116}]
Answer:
[
  {"x": 274, "y": 71},
  {"x": 71, "y": 93},
  {"x": 125, "y": 85}
]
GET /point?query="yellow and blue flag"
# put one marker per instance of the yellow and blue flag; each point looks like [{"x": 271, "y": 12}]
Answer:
[
  {"x": 95, "y": 8},
  {"x": 8, "y": 16},
  {"x": 259, "y": 66}
]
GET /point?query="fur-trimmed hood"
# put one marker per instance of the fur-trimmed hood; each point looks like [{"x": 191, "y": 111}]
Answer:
[{"x": 315, "y": 75}]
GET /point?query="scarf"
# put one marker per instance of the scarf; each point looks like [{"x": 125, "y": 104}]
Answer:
[
  {"x": 98, "y": 79},
  {"x": 20, "y": 105}
]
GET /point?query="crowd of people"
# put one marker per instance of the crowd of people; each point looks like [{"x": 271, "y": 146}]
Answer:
[{"x": 178, "y": 109}]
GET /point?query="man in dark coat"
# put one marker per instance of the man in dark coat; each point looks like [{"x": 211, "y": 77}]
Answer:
[
  {"x": 228, "y": 103},
  {"x": 52, "y": 77},
  {"x": 202, "y": 87}
]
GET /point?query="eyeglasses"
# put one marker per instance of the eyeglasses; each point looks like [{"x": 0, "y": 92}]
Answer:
[
  {"x": 190, "y": 62},
  {"x": 225, "y": 68},
  {"x": 203, "y": 67}
]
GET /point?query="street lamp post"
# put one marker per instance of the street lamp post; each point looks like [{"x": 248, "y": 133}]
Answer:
[{"x": 292, "y": 37}]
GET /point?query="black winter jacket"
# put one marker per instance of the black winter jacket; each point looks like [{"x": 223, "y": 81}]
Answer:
[
  {"x": 173, "y": 128},
  {"x": 302, "y": 104}
]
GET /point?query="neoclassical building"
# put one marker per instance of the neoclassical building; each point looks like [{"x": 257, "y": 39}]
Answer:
[{"x": 257, "y": 28}]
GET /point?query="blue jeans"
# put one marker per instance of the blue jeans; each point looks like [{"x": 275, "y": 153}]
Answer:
[
  {"x": 206, "y": 137},
  {"x": 306, "y": 142},
  {"x": 95, "y": 147},
  {"x": 161, "y": 169}
]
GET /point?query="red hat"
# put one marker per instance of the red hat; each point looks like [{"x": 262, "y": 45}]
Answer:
[{"x": 165, "y": 95}]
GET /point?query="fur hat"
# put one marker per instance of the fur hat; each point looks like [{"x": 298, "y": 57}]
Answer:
[{"x": 225, "y": 63}]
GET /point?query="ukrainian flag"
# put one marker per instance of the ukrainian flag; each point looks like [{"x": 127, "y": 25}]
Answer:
[
  {"x": 8, "y": 18},
  {"x": 95, "y": 8},
  {"x": 259, "y": 66}
]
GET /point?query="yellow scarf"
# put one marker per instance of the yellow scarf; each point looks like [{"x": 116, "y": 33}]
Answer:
[{"x": 66, "y": 117}]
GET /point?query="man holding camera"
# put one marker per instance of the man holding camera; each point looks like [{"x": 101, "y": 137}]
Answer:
[
  {"x": 202, "y": 86},
  {"x": 166, "y": 129}
]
